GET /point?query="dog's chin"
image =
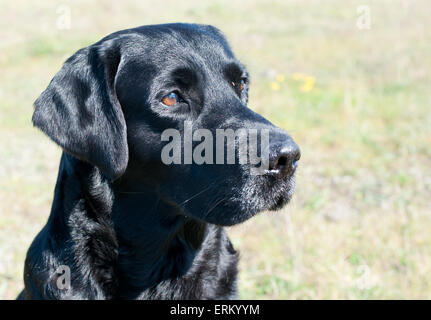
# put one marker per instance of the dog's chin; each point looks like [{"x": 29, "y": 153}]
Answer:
[
  {"x": 257, "y": 195},
  {"x": 281, "y": 201},
  {"x": 261, "y": 195},
  {"x": 264, "y": 193}
]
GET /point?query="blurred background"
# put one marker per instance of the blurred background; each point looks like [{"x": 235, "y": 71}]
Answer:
[{"x": 349, "y": 80}]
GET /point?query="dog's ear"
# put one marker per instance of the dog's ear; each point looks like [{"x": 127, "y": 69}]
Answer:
[{"x": 80, "y": 110}]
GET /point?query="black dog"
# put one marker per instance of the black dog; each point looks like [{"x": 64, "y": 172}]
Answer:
[{"x": 126, "y": 225}]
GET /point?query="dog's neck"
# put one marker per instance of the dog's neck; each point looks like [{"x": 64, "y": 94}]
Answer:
[
  {"x": 155, "y": 240},
  {"x": 150, "y": 241}
]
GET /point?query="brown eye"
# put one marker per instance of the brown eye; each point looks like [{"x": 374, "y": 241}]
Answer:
[
  {"x": 171, "y": 99},
  {"x": 240, "y": 85}
]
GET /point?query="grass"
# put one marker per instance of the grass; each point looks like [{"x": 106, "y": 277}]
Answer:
[{"x": 356, "y": 101}]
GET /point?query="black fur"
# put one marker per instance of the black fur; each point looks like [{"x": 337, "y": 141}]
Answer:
[{"x": 128, "y": 226}]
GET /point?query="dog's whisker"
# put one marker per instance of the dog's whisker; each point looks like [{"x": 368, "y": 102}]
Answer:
[
  {"x": 195, "y": 195},
  {"x": 212, "y": 185},
  {"x": 215, "y": 206}
]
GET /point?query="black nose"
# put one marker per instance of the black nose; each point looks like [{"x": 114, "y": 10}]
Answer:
[{"x": 283, "y": 158}]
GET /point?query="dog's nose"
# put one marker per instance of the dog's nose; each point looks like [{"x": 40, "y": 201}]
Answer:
[{"x": 283, "y": 158}]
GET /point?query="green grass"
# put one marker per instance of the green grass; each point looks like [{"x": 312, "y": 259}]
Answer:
[{"x": 358, "y": 226}]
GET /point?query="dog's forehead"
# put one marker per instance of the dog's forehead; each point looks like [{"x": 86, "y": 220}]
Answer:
[
  {"x": 184, "y": 43},
  {"x": 163, "y": 52}
]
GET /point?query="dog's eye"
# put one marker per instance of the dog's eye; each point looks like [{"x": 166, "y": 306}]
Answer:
[
  {"x": 239, "y": 85},
  {"x": 171, "y": 99}
]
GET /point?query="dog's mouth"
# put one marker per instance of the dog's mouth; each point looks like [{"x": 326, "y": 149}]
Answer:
[
  {"x": 267, "y": 192},
  {"x": 237, "y": 203},
  {"x": 284, "y": 195},
  {"x": 282, "y": 200}
]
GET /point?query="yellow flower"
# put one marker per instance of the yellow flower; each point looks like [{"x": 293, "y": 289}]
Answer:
[
  {"x": 280, "y": 78},
  {"x": 275, "y": 86},
  {"x": 308, "y": 84}
]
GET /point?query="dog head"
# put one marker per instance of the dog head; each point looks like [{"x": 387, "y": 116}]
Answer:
[{"x": 165, "y": 107}]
